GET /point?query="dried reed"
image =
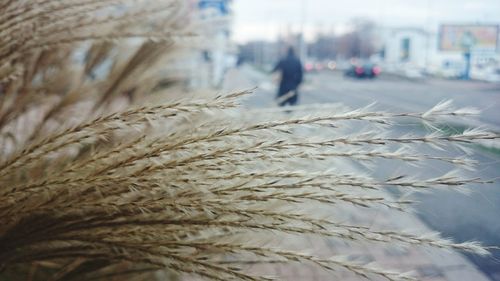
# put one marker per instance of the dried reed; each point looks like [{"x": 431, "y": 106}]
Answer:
[{"x": 91, "y": 188}]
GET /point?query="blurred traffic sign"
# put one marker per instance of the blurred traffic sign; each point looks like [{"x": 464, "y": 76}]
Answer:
[{"x": 221, "y": 6}]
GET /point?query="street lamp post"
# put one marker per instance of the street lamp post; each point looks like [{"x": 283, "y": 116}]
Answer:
[
  {"x": 468, "y": 41},
  {"x": 302, "y": 44}
]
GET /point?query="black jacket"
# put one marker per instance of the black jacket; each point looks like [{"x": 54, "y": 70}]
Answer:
[{"x": 291, "y": 73}]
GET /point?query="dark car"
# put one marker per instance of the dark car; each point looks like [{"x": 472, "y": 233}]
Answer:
[{"x": 367, "y": 70}]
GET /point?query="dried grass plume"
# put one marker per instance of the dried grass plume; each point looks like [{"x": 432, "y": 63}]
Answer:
[{"x": 95, "y": 182}]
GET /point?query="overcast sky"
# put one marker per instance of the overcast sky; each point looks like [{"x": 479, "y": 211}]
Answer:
[{"x": 265, "y": 19}]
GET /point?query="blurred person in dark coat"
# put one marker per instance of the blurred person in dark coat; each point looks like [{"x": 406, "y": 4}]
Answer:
[{"x": 291, "y": 77}]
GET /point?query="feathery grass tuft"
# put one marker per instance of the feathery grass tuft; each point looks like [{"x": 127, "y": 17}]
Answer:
[{"x": 93, "y": 186}]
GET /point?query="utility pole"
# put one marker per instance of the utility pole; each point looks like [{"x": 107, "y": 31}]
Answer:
[
  {"x": 302, "y": 43},
  {"x": 428, "y": 33}
]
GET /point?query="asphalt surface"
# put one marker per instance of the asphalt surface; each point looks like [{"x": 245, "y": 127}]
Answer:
[
  {"x": 462, "y": 217},
  {"x": 396, "y": 93}
]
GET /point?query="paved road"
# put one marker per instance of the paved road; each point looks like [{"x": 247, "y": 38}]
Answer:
[
  {"x": 396, "y": 93},
  {"x": 459, "y": 216}
]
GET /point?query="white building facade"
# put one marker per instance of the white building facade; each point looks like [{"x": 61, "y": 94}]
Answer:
[
  {"x": 414, "y": 52},
  {"x": 217, "y": 53}
]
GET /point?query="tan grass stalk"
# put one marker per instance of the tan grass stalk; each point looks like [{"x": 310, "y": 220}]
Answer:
[{"x": 91, "y": 187}]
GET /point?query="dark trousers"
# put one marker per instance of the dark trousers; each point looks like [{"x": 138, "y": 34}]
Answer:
[{"x": 293, "y": 100}]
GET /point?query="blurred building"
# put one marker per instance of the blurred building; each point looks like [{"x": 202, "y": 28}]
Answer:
[
  {"x": 216, "y": 53},
  {"x": 265, "y": 54},
  {"x": 405, "y": 46},
  {"x": 451, "y": 52}
]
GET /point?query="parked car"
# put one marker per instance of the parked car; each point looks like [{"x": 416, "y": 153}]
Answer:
[
  {"x": 367, "y": 70},
  {"x": 314, "y": 66}
]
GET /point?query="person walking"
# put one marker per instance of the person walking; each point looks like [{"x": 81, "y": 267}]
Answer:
[{"x": 291, "y": 77}]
